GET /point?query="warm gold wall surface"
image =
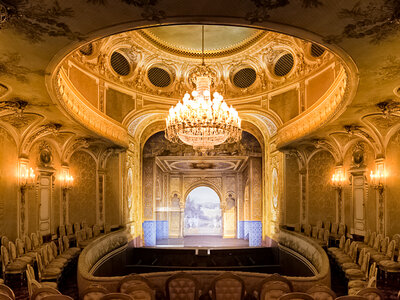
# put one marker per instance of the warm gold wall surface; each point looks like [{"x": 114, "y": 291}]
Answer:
[
  {"x": 393, "y": 186},
  {"x": 321, "y": 205},
  {"x": 112, "y": 187},
  {"x": 8, "y": 185},
  {"x": 82, "y": 201},
  {"x": 293, "y": 190}
]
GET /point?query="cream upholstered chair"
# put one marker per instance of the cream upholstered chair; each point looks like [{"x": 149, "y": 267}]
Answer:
[
  {"x": 327, "y": 225},
  {"x": 77, "y": 227},
  {"x": 21, "y": 251},
  {"x": 348, "y": 256},
  {"x": 353, "y": 265},
  {"x": 47, "y": 272},
  {"x": 14, "y": 255},
  {"x": 50, "y": 260},
  {"x": 134, "y": 280},
  {"x": 355, "y": 285},
  {"x": 351, "y": 297},
  {"x": 371, "y": 293},
  {"x": 332, "y": 250},
  {"x": 93, "y": 292},
  {"x": 314, "y": 232},
  {"x": 40, "y": 293},
  {"x": 116, "y": 296},
  {"x": 227, "y": 286},
  {"x": 297, "y": 227},
  {"x": 379, "y": 243},
  {"x": 141, "y": 293},
  {"x": 307, "y": 229},
  {"x": 345, "y": 250},
  {"x": 390, "y": 266},
  {"x": 75, "y": 251},
  {"x": 273, "y": 287},
  {"x": 33, "y": 284},
  {"x": 96, "y": 230},
  {"x": 6, "y": 290},
  {"x": 182, "y": 286},
  {"x": 352, "y": 274},
  {"x": 58, "y": 297},
  {"x": 321, "y": 292},
  {"x": 11, "y": 267},
  {"x": 388, "y": 255},
  {"x": 319, "y": 224},
  {"x": 296, "y": 296}
]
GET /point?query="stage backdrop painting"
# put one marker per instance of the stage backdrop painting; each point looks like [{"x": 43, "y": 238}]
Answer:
[{"x": 202, "y": 213}]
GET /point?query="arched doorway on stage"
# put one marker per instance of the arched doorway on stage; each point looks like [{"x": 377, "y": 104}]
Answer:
[{"x": 202, "y": 215}]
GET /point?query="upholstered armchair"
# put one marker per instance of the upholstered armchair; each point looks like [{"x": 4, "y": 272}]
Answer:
[
  {"x": 33, "y": 284},
  {"x": 134, "y": 280},
  {"x": 75, "y": 251},
  {"x": 41, "y": 293},
  {"x": 327, "y": 225},
  {"x": 335, "y": 250},
  {"x": 371, "y": 293},
  {"x": 352, "y": 274},
  {"x": 5, "y": 290},
  {"x": 354, "y": 265},
  {"x": 47, "y": 272},
  {"x": 347, "y": 256},
  {"x": 182, "y": 286},
  {"x": 273, "y": 287},
  {"x": 307, "y": 229},
  {"x": 358, "y": 284},
  {"x": 93, "y": 292},
  {"x": 116, "y": 296},
  {"x": 141, "y": 293},
  {"x": 388, "y": 255},
  {"x": 321, "y": 292},
  {"x": 296, "y": 296}
]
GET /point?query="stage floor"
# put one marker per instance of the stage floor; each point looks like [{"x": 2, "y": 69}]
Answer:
[{"x": 202, "y": 241}]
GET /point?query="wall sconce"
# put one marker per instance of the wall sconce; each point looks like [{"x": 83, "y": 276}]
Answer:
[
  {"x": 377, "y": 179},
  {"x": 26, "y": 177},
  {"x": 338, "y": 180},
  {"x": 67, "y": 181}
]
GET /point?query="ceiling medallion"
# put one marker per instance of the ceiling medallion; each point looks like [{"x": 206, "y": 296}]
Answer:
[{"x": 201, "y": 121}]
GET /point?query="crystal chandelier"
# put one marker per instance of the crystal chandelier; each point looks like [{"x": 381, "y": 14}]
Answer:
[{"x": 200, "y": 120}]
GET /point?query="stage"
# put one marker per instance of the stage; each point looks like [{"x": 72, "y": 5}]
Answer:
[{"x": 202, "y": 241}]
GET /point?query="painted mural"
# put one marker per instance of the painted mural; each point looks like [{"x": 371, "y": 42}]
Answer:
[{"x": 202, "y": 213}]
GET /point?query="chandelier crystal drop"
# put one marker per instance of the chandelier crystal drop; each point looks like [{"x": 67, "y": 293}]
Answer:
[{"x": 203, "y": 121}]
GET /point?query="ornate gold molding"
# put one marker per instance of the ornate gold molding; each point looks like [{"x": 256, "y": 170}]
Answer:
[
  {"x": 318, "y": 115},
  {"x": 74, "y": 103}
]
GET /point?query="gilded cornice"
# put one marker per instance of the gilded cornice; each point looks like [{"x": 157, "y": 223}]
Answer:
[
  {"x": 73, "y": 102},
  {"x": 316, "y": 116}
]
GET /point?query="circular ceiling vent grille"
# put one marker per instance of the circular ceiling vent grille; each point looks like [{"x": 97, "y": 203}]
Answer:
[
  {"x": 317, "y": 50},
  {"x": 120, "y": 64},
  {"x": 244, "y": 78},
  {"x": 159, "y": 77},
  {"x": 87, "y": 49},
  {"x": 284, "y": 65}
]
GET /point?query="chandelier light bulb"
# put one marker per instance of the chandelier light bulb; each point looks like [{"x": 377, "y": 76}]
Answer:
[{"x": 201, "y": 121}]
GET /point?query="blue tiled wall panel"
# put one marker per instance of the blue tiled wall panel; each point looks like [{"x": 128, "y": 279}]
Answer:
[
  {"x": 149, "y": 233},
  {"x": 246, "y": 227},
  {"x": 240, "y": 230},
  {"x": 162, "y": 230},
  {"x": 255, "y": 234}
]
